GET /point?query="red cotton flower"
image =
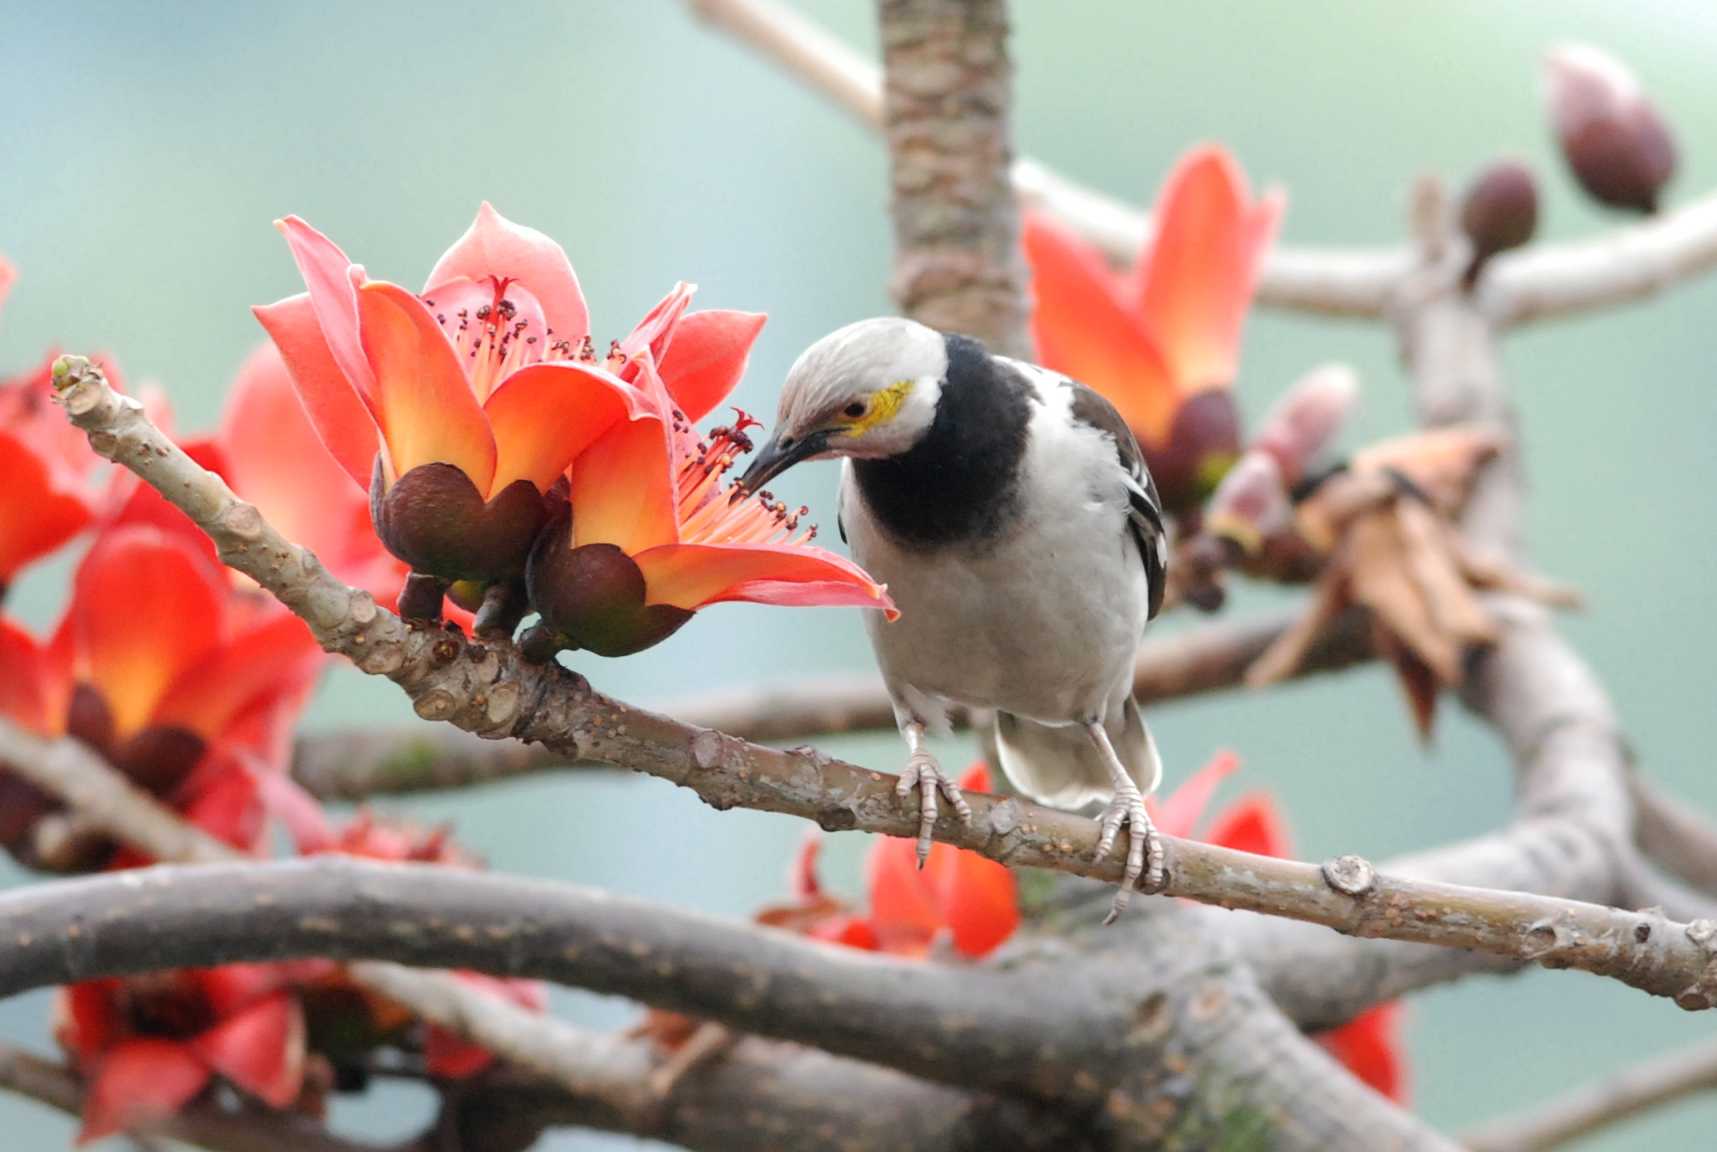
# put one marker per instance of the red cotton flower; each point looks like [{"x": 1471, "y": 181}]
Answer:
[
  {"x": 654, "y": 535},
  {"x": 182, "y": 683},
  {"x": 459, "y": 409},
  {"x": 1369, "y": 1045},
  {"x": 45, "y": 468},
  {"x": 1162, "y": 340},
  {"x": 345, "y": 1019},
  {"x": 959, "y": 898},
  {"x": 149, "y": 1045}
]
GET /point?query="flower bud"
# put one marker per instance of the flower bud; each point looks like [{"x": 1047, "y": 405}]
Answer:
[
  {"x": 592, "y": 595},
  {"x": 1251, "y": 503},
  {"x": 1305, "y": 419},
  {"x": 435, "y": 520},
  {"x": 1616, "y": 144},
  {"x": 1202, "y": 445},
  {"x": 1498, "y": 212}
]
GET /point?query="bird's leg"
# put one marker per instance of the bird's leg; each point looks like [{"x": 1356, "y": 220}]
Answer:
[
  {"x": 925, "y": 775},
  {"x": 1144, "y": 846}
]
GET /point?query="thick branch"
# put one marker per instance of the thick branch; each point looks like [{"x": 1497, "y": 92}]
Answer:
[
  {"x": 204, "y": 1126},
  {"x": 948, "y": 85},
  {"x": 1594, "y": 1107},
  {"x": 491, "y": 691},
  {"x": 352, "y": 764}
]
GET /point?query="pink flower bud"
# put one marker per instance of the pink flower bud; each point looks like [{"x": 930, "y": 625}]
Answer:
[
  {"x": 1305, "y": 419},
  {"x": 1615, "y": 142},
  {"x": 1250, "y": 504},
  {"x": 1499, "y": 212}
]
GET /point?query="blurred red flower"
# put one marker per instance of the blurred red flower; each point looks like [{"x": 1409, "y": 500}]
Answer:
[
  {"x": 45, "y": 467},
  {"x": 1370, "y": 1044},
  {"x": 1161, "y": 340},
  {"x": 149, "y": 1045},
  {"x": 185, "y": 685}
]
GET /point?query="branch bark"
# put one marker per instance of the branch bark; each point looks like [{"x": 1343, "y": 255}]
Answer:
[
  {"x": 352, "y": 764},
  {"x": 946, "y": 94},
  {"x": 1594, "y": 1107}
]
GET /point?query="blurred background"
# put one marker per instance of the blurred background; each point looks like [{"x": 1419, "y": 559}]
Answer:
[{"x": 146, "y": 148}]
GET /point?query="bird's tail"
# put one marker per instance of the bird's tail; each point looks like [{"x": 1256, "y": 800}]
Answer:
[{"x": 1063, "y": 767}]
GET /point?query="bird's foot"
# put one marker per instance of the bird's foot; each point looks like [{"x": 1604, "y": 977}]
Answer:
[
  {"x": 925, "y": 776},
  {"x": 1144, "y": 847}
]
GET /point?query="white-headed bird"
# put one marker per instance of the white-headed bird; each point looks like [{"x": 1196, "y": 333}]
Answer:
[{"x": 1011, "y": 514}]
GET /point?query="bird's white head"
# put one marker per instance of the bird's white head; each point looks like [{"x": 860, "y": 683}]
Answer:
[{"x": 868, "y": 391}]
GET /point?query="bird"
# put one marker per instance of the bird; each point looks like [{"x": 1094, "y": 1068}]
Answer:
[{"x": 1012, "y": 515}]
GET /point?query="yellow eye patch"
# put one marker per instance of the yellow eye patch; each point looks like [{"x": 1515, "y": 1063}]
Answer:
[{"x": 882, "y": 408}]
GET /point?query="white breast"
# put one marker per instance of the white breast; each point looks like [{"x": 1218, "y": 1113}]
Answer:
[{"x": 1042, "y": 622}]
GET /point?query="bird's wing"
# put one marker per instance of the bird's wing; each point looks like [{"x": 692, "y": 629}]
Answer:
[{"x": 1144, "y": 506}]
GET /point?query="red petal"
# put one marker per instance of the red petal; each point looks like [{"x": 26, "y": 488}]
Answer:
[
  {"x": 8, "y": 274},
  {"x": 147, "y": 609},
  {"x": 693, "y": 575},
  {"x": 903, "y": 907},
  {"x": 707, "y": 358},
  {"x": 848, "y": 931},
  {"x": 545, "y": 415},
  {"x": 32, "y": 694},
  {"x": 333, "y": 282},
  {"x": 276, "y": 657},
  {"x": 87, "y": 1020},
  {"x": 341, "y": 418},
  {"x": 1252, "y": 824},
  {"x": 298, "y": 812},
  {"x": 228, "y": 807},
  {"x": 260, "y": 1049},
  {"x": 1178, "y": 812},
  {"x": 1196, "y": 278},
  {"x": 1370, "y": 1046},
  {"x": 231, "y": 988},
  {"x": 451, "y": 1057},
  {"x": 980, "y": 901},
  {"x": 658, "y": 330},
  {"x": 141, "y": 1081},
  {"x": 495, "y": 246},
  {"x": 622, "y": 488},
  {"x": 276, "y": 460},
  {"x": 1083, "y": 328},
  {"x": 425, "y": 405},
  {"x": 41, "y": 514}
]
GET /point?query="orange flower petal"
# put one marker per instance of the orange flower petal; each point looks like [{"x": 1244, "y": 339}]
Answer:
[
  {"x": 427, "y": 411},
  {"x": 260, "y": 1049},
  {"x": 1178, "y": 813},
  {"x": 1252, "y": 824},
  {"x": 622, "y": 491},
  {"x": 276, "y": 657},
  {"x": 147, "y": 609},
  {"x": 707, "y": 358},
  {"x": 87, "y": 1020},
  {"x": 659, "y": 327},
  {"x": 27, "y": 693},
  {"x": 543, "y": 416},
  {"x": 495, "y": 246},
  {"x": 1195, "y": 280},
  {"x": 141, "y": 1080},
  {"x": 332, "y": 280},
  {"x": 903, "y": 908},
  {"x": 692, "y": 575},
  {"x": 1083, "y": 329},
  {"x": 339, "y": 415},
  {"x": 40, "y": 514}
]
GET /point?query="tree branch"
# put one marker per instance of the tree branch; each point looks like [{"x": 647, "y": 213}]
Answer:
[
  {"x": 1593, "y": 1107},
  {"x": 352, "y": 764},
  {"x": 1672, "y": 833},
  {"x": 213, "y": 1128},
  {"x": 491, "y": 691},
  {"x": 946, "y": 94}
]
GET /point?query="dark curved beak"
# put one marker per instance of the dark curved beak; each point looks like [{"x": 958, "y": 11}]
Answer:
[{"x": 776, "y": 458}]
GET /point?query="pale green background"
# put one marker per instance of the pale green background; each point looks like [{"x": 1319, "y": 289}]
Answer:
[{"x": 144, "y": 148}]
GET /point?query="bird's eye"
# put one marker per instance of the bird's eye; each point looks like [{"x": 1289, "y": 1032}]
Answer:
[
  {"x": 785, "y": 442},
  {"x": 854, "y": 410}
]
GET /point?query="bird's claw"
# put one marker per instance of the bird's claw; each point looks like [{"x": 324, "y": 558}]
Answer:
[
  {"x": 924, "y": 775},
  {"x": 1144, "y": 848}
]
